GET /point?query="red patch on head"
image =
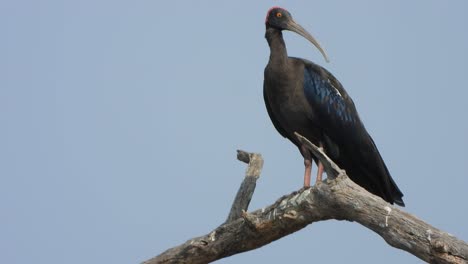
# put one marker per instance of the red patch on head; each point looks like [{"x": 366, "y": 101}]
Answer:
[{"x": 271, "y": 9}]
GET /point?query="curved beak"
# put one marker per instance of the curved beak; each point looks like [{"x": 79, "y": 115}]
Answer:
[{"x": 295, "y": 27}]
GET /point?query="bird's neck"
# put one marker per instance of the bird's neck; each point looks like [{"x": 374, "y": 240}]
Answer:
[{"x": 278, "y": 52}]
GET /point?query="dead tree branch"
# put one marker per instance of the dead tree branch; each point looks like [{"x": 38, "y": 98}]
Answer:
[
  {"x": 247, "y": 188},
  {"x": 336, "y": 198}
]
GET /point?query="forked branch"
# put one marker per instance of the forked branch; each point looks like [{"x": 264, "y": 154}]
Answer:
[{"x": 336, "y": 198}]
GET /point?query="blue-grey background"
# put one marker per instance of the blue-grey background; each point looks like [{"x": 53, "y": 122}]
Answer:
[{"x": 120, "y": 121}]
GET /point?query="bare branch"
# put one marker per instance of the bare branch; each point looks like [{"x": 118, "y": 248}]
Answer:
[
  {"x": 247, "y": 188},
  {"x": 335, "y": 198}
]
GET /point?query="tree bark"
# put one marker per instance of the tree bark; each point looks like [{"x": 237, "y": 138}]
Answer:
[{"x": 335, "y": 198}]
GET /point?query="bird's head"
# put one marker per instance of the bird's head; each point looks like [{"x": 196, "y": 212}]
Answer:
[{"x": 280, "y": 19}]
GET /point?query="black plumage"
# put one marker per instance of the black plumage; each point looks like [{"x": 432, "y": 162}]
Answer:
[{"x": 303, "y": 97}]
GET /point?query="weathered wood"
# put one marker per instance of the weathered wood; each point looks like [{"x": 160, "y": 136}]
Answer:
[
  {"x": 247, "y": 188},
  {"x": 335, "y": 198}
]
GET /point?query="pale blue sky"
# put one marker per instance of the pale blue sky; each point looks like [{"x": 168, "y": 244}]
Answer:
[{"x": 120, "y": 121}]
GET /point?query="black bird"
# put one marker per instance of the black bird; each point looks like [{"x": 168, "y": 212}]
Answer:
[{"x": 301, "y": 96}]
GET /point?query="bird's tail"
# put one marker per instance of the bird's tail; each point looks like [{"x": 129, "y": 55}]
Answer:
[
  {"x": 378, "y": 177},
  {"x": 394, "y": 191}
]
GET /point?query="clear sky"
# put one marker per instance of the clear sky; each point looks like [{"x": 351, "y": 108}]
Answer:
[{"x": 120, "y": 122}]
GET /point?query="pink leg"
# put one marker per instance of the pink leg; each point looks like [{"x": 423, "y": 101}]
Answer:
[
  {"x": 320, "y": 168},
  {"x": 307, "y": 172},
  {"x": 319, "y": 172}
]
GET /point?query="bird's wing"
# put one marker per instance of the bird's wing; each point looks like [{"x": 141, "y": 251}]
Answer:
[
  {"x": 338, "y": 117},
  {"x": 335, "y": 109}
]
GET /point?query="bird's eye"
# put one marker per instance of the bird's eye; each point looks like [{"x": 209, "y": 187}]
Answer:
[{"x": 279, "y": 14}]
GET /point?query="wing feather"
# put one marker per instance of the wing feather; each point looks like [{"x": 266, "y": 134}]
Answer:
[{"x": 338, "y": 117}]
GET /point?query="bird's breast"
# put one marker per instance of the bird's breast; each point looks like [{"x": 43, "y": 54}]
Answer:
[{"x": 285, "y": 93}]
